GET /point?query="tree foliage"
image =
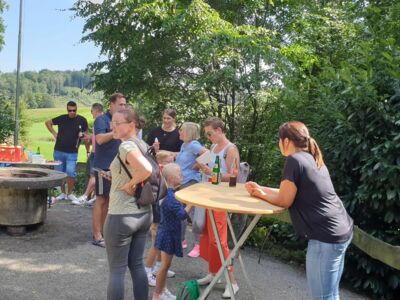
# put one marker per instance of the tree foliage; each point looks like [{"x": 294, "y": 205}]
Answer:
[{"x": 47, "y": 88}]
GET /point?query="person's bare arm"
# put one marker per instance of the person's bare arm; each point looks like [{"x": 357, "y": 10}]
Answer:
[
  {"x": 49, "y": 124},
  {"x": 283, "y": 197},
  {"x": 103, "y": 138},
  {"x": 232, "y": 157},
  {"x": 142, "y": 170}
]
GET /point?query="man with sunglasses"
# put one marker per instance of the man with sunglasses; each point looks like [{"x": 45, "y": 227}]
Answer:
[{"x": 71, "y": 130}]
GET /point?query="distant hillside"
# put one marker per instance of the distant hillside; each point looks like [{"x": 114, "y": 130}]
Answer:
[{"x": 46, "y": 89}]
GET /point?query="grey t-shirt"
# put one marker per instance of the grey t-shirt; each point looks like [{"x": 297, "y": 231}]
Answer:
[
  {"x": 120, "y": 202},
  {"x": 317, "y": 212}
]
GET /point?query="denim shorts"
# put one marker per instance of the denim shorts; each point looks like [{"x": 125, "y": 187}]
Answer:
[{"x": 68, "y": 162}]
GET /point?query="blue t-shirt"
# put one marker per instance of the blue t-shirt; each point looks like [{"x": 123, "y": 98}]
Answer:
[
  {"x": 106, "y": 152},
  {"x": 186, "y": 159}
]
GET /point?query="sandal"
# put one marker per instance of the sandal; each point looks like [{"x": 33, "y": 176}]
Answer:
[{"x": 99, "y": 243}]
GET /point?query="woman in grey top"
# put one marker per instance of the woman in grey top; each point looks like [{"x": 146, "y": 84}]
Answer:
[
  {"x": 126, "y": 226},
  {"x": 317, "y": 213}
]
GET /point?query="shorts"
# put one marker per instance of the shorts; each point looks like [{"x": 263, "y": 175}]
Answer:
[
  {"x": 68, "y": 162},
  {"x": 91, "y": 161},
  {"x": 102, "y": 186}
]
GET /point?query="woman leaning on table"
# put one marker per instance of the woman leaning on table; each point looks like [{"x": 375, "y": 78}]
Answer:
[
  {"x": 317, "y": 213},
  {"x": 127, "y": 225}
]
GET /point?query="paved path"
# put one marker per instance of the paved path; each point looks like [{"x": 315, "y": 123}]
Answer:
[{"x": 57, "y": 261}]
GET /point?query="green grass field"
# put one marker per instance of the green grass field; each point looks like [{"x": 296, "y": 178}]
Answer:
[{"x": 39, "y": 136}]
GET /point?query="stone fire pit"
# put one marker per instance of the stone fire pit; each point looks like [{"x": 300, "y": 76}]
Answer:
[{"x": 23, "y": 196}]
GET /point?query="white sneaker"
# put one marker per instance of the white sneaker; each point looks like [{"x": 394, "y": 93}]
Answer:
[
  {"x": 207, "y": 279},
  {"x": 227, "y": 294},
  {"x": 73, "y": 198},
  {"x": 60, "y": 197},
  {"x": 90, "y": 203},
  {"x": 170, "y": 273},
  {"x": 151, "y": 279},
  {"x": 168, "y": 295},
  {"x": 80, "y": 201}
]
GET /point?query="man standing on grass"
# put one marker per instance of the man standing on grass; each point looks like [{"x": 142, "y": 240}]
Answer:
[
  {"x": 106, "y": 150},
  {"x": 71, "y": 130}
]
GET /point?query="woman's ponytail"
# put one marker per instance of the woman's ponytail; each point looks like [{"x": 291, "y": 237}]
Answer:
[{"x": 314, "y": 150}]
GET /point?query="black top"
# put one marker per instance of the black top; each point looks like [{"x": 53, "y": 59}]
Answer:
[
  {"x": 317, "y": 212},
  {"x": 68, "y": 132},
  {"x": 169, "y": 140},
  {"x": 105, "y": 153}
]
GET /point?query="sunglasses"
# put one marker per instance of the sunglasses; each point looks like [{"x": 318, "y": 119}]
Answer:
[{"x": 71, "y": 110}]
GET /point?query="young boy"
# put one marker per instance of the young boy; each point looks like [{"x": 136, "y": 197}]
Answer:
[
  {"x": 163, "y": 158},
  {"x": 169, "y": 239}
]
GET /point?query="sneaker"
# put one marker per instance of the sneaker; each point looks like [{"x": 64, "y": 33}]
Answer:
[
  {"x": 170, "y": 273},
  {"x": 227, "y": 294},
  {"x": 99, "y": 243},
  {"x": 151, "y": 279},
  {"x": 90, "y": 203},
  {"x": 60, "y": 197},
  {"x": 72, "y": 198},
  {"x": 79, "y": 201},
  {"x": 168, "y": 294},
  {"x": 195, "y": 251},
  {"x": 184, "y": 244},
  {"x": 207, "y": 279}
]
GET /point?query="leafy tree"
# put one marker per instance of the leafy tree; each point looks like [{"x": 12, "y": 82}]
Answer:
[{"x": 3, "y": 6}]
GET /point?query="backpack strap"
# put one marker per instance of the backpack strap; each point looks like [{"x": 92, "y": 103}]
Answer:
[
  {"x": 124, "y": 166},
  {"x": 148, "y": 152}
]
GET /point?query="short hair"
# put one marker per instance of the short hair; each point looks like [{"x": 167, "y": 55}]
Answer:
[
  {"x": 71, "y": 103},
  {"x": 130, "y": 116},
  {"x": 97, "y": 107},
  {"x": 215, "y": 123},
  {"x": 170, "y": 112},
  {"x": 162, "y": 155},
  {"x": 192, "y": 131},
  {"x": 170, "y": 170},
  {"x": 114, "y": 97}
]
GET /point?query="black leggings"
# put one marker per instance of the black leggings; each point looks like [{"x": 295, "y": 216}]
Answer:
[{"x": 125, "y": 237}]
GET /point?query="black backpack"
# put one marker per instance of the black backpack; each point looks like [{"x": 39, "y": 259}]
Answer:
[{"x": 154, "y": 187}]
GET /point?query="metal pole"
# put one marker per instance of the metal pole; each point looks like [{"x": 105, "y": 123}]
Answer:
[{"x": 16, "y": 132}]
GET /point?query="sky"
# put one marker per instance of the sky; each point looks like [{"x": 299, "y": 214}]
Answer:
[{"x": 50, "y": 37}]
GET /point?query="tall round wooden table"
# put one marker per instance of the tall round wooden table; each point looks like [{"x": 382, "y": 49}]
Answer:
[{"x": 221, "y": 197}]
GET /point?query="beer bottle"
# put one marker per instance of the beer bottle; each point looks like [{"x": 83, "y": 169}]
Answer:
[
  {"x": 38, "y": 150},
  {"x": 216, "y": 172}
]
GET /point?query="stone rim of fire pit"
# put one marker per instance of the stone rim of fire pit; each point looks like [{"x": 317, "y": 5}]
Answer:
[{"x": 30, "y": 178}]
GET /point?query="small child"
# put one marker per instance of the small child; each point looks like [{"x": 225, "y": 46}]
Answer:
[
  {"x": 169, "y": 240},
  {"x": 163, "y": 158}
]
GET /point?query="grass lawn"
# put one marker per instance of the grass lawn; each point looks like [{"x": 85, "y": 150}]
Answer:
[{"x": 39, "y": 136}]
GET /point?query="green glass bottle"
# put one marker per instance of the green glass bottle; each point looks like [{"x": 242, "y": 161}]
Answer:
[
  {"x": 216, "y": 172},
  {"x": 38, "y": 150}
]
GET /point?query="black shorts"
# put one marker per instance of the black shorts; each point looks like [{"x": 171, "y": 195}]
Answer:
[{"x": 103, "y": 185}]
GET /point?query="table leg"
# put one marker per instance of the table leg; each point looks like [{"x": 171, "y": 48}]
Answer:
[
  {"x": 223, "y": 262},
  {"x": 239, "y": 256}
]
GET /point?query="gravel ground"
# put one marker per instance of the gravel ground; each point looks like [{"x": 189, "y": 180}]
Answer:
[{"x": 57, "y": 261}]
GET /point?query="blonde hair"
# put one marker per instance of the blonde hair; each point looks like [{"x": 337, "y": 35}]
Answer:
[
  {"x": 191, "y": 130},
  {"x": 170, "y": 170},
  {"x": 163, "y": 155}
]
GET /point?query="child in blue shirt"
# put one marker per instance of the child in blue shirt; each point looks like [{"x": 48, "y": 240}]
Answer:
[{"x": 168, "y": 239}]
